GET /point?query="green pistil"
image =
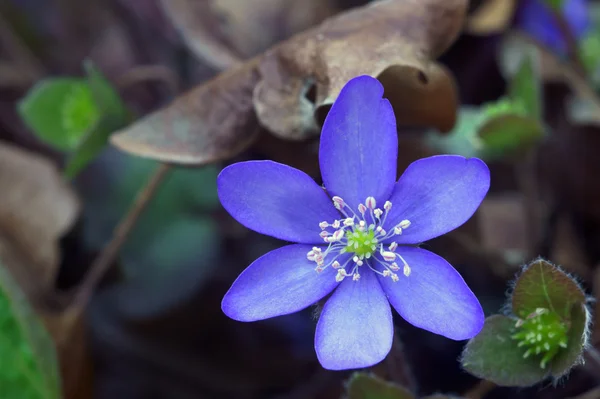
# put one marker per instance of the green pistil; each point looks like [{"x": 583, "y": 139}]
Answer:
[
  {"x": 542, "y": 333},
  {"x": 362, "y": 243}
]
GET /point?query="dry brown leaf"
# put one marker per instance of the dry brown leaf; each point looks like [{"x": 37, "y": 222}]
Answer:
[
  {"x": 393, "y": 40},
  {"x": 36, "y": 208},
  {"x": 225, "y": 32},
  {"x": 493, "y": 16}
]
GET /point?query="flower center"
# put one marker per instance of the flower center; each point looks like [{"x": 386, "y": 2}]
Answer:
[
  {"x": 357, "y": 239},
  {"x": 362, "y": 243}
]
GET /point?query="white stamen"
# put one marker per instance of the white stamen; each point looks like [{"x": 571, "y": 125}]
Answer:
[
  {"x": 378, "y": 212},
  {"x": 362, "y": 209},
  {"x": 323, "y": 225},
  {"x": 340, "y": 275},
  {"x": 388, "y": 256},
  {"x": 324, "y": 234},
  {"x": 405, "y": 224},
  {"x": 395, "y": 277},
  {"x": 336, "y": 265},
  {"x": 338, "y": 235},
  {"x": 356, "y": 277},
  {"x": 336, "y": 224},
  {"x": 406, "y": 270},
  {"x": 397, "y": 230},
  {"x": 348, "y": 222},
  {"x": 387, "y": 206},
  {"x": 394, "y": 266},
  {"x": 370, "y": 203},
  {"x": 393, "y": 246}
]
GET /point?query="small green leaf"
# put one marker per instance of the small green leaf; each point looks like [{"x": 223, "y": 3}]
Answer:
[
  {"x": 30, "y": 367},
  {"x": 577, "y": 340},
  {"x": 543, "y": 285},
  {"x": 462, "y": 139},
  {"x": 509, "y": 134},
  {"x": 113, "y": 116},
  {"x": 369, "y": 386},
  {"x": 60, "y": 111},
  {"x": 106, "y": 97},
  {"x": 526, "y": 86},
  {"x": 495, "y": 356}
]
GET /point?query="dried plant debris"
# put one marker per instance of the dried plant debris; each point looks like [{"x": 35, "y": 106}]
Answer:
[{"x": 284, "y": 88}]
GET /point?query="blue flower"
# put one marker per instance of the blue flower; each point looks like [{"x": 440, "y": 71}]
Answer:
[
  {"x": 536, "y": 19},
  {"x": 356, "y": 236}
]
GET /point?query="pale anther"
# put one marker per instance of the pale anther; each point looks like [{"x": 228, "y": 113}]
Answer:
[
  {"x": 388, "y": 256},
  {"x": 356, "y": 277},
  {"x": 395, "y": 277},
  {"x": 394, "y": 266},
  {"x": 323, "y": 225},
  {"x": 370, "y": 203},
  {"x": 393, "y": 246},
  {"x": 336, "y": 224},
  {"x": 348, "y": 222},
  {"x": 387, "y": 206},
  {"x": 336, "y": 265},
  {"x": 324, "y": 234},
  {"x": 387, "y": 273},
  {"x": 404, "y": 224},
  {"x": 362, "y": 209},
  {"x": 397, "y": 230},
  {"x": 378, "y": 212},
  {"x": 406, "y": 270}
]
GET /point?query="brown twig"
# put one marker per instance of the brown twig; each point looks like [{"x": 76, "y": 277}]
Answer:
[
  {"x": 146, "y": 73},
  {"x": 108, "y": 255},
  {"x": 570, "y": 39},
  {"x": 19, "y": 52},
  {"x": 479, "y": 391}
]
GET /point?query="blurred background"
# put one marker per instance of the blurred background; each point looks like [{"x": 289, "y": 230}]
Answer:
[{"x": 152, "y": 328}]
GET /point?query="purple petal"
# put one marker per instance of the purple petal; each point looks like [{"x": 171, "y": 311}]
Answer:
[
  {"x": 276, "y": 200},
  {"x": 537, "y": 20},
  {"x": 359, "y": 144},
  {"x": 355, "y": 329},
  {"x": 281, "y": 282},
  {"x": 437, "y": 195},
  {"x": 434, "y": 296}
]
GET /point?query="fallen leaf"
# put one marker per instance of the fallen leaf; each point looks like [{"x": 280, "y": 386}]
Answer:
[
  {"x": 36, "y": 208},
  {"x": 493, "y": 16},
  {"x": 225, "y": 32},
  {"x": 285, "y": 88}
]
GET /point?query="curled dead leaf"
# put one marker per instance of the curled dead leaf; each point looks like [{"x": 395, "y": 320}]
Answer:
[
  {"x": 36, "y": 208},
  {"x": 284, "y": 89},
  {"x": 225, "y": 32}
]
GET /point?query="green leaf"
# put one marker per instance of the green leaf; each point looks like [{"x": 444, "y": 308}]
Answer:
[
  {"x": 525, "y": 86},
  {"x": 107, "y": 98},
  {"x": 462, "y": 140},
  {"x": 509, "y": 134},
  {"x": 30, "y": 367},
  {"x": 578, "y": 336},
  {"x": 543, "y": 285},
  {"x": 495, "y": 356},
  {"x": 369, "y": 386},
  {"x": 60, "y": 111},
  {"x": 114, "y": 115}
]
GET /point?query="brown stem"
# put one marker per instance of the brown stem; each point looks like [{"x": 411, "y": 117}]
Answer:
[
  {"x": 571, "y": 40},
  {"x": 527, "y": 182},
  {"x": 108, "y": 255}
]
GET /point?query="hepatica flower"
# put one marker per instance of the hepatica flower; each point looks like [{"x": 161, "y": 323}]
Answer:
[
  {"x": 535, "y": 18},
  {"x": 355, "y": 238}
]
